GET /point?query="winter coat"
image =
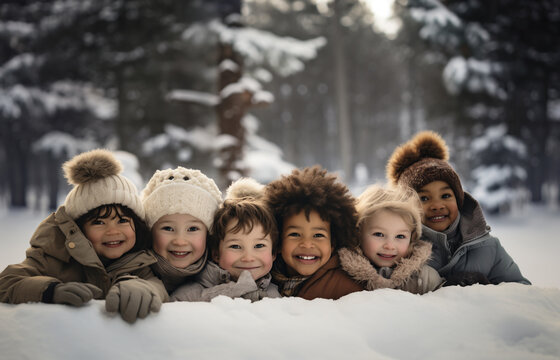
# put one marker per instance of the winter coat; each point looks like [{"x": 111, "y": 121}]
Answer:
[
  {"x": 60, "y": 253},
  {"x": 410, "y": 274},
  {"x": 213, "y": 281},
  {"x": 329, "y": 282},
  {"x": 478, "y": 251}
]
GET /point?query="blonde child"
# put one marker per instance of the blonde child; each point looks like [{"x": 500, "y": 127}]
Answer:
[
  {"x": 463, "y": 251},
  {"x": 316, "y": 217},
  {"x": 180, "y": 204},
  {"x": 242, "y": 247},
  {"x": 92, "y": 247},
  {"x": 391, "y": 254}
]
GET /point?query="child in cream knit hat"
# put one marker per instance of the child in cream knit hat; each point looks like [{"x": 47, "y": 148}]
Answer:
[
  {"x": 180, "y": 204},
  {"x": 93, "y": 246}
]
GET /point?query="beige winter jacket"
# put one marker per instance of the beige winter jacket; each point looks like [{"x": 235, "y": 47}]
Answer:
[
  {"x": 411, "y": 274},
  {"x": 60, "y": 253}
]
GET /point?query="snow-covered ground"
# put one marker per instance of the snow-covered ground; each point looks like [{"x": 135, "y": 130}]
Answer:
[{"x": 507, "y": 321}]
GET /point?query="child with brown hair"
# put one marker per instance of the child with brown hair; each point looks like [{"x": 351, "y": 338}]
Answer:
[
  {"x": 242, "y": 247},
  {"x": 463, "y": 251},
  {"x": 391, "y": 254},
  {"x": 92, "y": 247},
  {"x": 316, "y": 217}
]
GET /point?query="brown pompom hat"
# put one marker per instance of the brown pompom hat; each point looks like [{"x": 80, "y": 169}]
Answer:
[{"x": 422, "y": 160}]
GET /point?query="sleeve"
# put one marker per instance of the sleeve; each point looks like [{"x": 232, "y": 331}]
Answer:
[
  {"x": 504, "y": 268},
  {"x": 26, "y": 282}
]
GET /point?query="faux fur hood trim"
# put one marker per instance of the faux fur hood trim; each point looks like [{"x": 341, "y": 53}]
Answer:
[{"x": 358, "y": 266}]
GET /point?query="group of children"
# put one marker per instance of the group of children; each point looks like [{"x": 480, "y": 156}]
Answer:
[{"x": 302, "y": 235}]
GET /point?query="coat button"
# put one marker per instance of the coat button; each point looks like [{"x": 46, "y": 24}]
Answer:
[{"x": 71, "y": 244}]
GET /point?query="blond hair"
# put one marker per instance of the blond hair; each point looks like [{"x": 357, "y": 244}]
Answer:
[{"x": 403, "y": 201}]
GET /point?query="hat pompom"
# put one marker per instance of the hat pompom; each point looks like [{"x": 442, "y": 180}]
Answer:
[
  {"x": 245, "y": 188},
  {"x": 90, "y": 166},
  {"x": 426, "y": 144}
]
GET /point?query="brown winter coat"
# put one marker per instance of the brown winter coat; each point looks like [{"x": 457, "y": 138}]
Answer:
[
  {"x": 411, "y": 274},
  {"x": 329, "y": 282},
  {"x": 61, "y": 253}
]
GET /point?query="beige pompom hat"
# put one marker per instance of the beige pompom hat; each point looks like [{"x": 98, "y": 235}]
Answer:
[
  {"x": 97, "y": 181},
  {"x": 181, "y": 191}
]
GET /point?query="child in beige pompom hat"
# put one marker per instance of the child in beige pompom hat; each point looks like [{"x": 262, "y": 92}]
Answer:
[
  {"x": 180, "y": 204},
  {"x": 92, "y": 247}
]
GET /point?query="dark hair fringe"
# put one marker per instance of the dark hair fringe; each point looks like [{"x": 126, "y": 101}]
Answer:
[
  {"x": 313, "y": 189},
  {"x": 143, "y": 234}
]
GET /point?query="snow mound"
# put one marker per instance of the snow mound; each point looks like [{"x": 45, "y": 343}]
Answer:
[{"x": 510, "y": 321}]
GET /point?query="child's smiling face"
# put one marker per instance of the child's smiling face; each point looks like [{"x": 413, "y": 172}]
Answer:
[
  {"x": 385, "y": 238},
  {"x": 245, "y": 250},
  {"x": 439, "y": 205},
  {"x": 180, "y": 239},
  {"x": 306, "y": 243},
  {"x": 111, "y": 236}
]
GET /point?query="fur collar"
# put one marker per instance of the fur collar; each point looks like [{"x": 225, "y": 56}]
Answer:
[{"x": 358, "y": 266}]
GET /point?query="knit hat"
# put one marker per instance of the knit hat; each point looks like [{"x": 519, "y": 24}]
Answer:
[
  {"x": 96, "y": 180},
  {"x": 422, "y": 160},
  {"x": 181, "y": 191}
]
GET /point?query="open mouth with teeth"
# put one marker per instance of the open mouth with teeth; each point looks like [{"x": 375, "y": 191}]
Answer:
[
  {"x": 180, "y": 254},
  {"x": 307, "y": 258},
  {"x": 113, "y": 244},
  {"x": 386, "y": 256},
  {"x": 438, "y": 218}
]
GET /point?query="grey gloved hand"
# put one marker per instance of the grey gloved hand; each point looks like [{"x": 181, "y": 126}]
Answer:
[
  {"x": 75, "y": 293},
  {"x": 134, "y": 298}
]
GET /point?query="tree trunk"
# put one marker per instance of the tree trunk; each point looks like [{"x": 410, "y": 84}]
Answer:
[{"x": 342, "y": 108}]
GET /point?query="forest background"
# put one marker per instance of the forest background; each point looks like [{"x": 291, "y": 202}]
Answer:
[{"x": 258, "y": 87}]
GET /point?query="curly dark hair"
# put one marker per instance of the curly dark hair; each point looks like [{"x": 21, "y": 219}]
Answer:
[{"x": 313, "y": 189}]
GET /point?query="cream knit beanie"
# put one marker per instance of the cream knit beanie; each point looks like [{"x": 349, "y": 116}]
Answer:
[
  {"x": 96, "y": 180},
  {"x": 181, "y": 191}
]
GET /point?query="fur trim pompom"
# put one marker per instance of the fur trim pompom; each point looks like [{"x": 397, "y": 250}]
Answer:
[
  {"x": 90, "y": 166},
  {"x": 245, "y": 188},
  {"x": 426, "y": 144}
]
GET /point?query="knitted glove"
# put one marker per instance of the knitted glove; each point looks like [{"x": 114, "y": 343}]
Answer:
[
  {"x": 466, "y": 278},
  {"x": 134, "y": 298},
  {"x": 75, "y": 293}
]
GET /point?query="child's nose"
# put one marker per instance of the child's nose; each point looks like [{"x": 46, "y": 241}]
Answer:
[
  {"x": 306, "y": 242},
  {"x": 180, "y": 239},
  {"x": 247, "y": 256}
]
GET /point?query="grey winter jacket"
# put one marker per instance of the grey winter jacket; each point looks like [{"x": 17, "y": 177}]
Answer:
[
  {"x": 213, "y": 281},
  {"x": 478, "y": 252},
  {"x": 410, "y": 274}
]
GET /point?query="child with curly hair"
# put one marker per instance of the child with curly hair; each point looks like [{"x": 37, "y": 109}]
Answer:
[
  {"x": 316, "y": 217},
  {"x": 391, "y": 254}
]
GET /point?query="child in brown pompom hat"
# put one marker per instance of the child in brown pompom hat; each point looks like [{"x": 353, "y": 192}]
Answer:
[
  {"x": 316, "y": 217},
  {"x": 463, "y": 250}
]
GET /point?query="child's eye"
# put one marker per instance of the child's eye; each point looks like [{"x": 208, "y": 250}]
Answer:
[
  {"x": 193, "y": 228},
  {"x": 378, "y": 234},
  {"x": 446, "y": 196},
  {"x": 234, "y": 246},
  {"x": 402, "y": 237},
  {"x": 319, "y": 235},
  {"x": 423, "y": 198},
  {"x": 124, "y": 220},
  {"x": 293, "y": 234},
  {"x": 260, "y": 246},
  {"x": 167, "y": 228},
  {"x": 97, "y": 222}
]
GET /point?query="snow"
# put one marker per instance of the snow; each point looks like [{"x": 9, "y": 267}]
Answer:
[{"x": 510, "y": 321}]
